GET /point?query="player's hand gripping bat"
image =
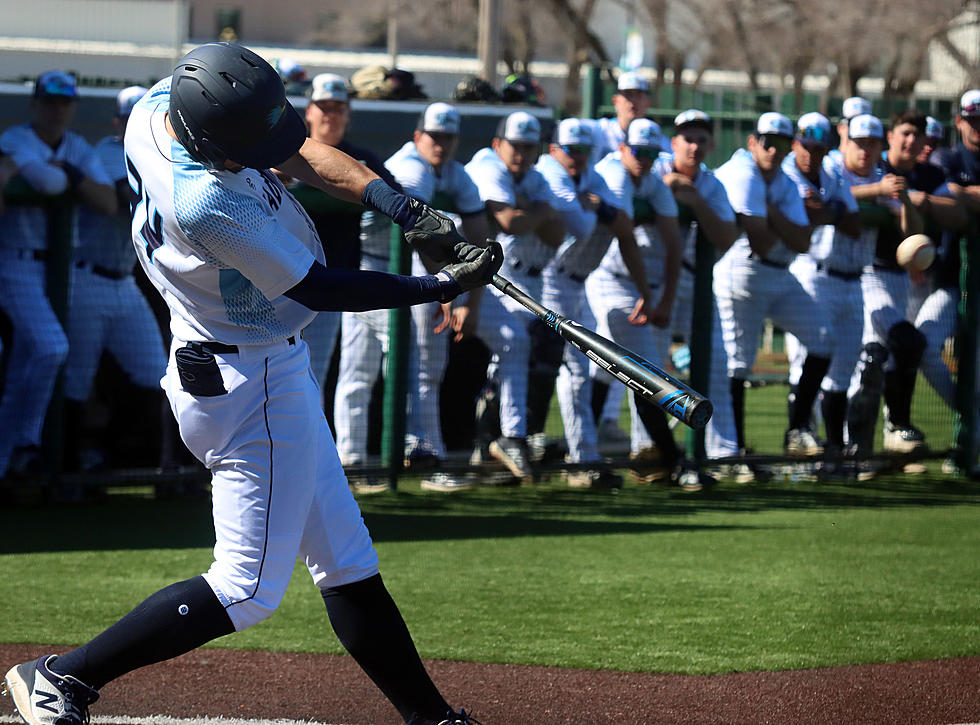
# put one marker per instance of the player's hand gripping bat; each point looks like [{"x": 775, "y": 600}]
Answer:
[{"x": 650, "y": 382}]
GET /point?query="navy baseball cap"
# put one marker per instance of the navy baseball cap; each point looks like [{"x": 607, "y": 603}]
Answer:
[
  {"x": 693, "y": 117},
  {"x": 55, "y": 84}
]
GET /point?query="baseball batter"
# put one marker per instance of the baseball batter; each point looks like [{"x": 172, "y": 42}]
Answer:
[
  {"x": 831, "y": 270},
  {"x": 239, "y": 263},
  {"x": 107, "y": 310},
  {"x": 52, "y": 161},
  {"x": 752, "y": 281}
]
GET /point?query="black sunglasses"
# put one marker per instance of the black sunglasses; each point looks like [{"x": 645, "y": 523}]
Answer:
[
  {"x": 645, "y": 152},
  {"x": 780, "y": 143}
]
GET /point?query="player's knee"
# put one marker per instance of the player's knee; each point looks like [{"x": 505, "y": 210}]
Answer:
[
  {"x": 906, "y": 344},
  {"x": 247, "y": 600}
]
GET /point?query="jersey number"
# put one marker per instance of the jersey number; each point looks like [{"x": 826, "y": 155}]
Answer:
[{"x": 152, "y": 232}]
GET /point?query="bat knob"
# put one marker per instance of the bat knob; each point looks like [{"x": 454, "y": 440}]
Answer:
[{"x": 701, "y": 414}]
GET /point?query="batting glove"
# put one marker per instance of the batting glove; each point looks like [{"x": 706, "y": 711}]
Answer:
[
  {"x": 475, "y": 268},
  {"x": 433, "y": 234}
]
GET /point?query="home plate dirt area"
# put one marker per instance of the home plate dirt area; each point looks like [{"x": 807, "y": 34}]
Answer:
[{"x": 228, "y": 687}]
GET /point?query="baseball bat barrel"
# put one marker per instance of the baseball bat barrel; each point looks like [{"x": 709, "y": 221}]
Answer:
[{"x": 646, "y": 379}]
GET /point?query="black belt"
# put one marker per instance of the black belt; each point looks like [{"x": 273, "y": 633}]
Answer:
[
  {"x": 38, "y": 255},
  {"x": 888, "y": 267},
  {"x": 102, "y": 271},
  {"x": 530, "y": 271},
  {"x": 580, "y": 278},
  {"x": 849, "y": 276},
  {"x": 219, "y": 348},
  {"x": 767, "y": 262}
]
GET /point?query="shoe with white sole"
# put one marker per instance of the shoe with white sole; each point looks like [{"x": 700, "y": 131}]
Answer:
[
  {"x": 43, "y": 697},
  {"x": 800, "y": 442},
  {"x": 446, "y": 483},
  {"x": 903, "y": 440}
]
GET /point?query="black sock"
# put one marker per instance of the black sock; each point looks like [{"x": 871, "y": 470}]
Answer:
[
  {"x": 540, "y": 389},
  {"x": 834, "y": 407},
  {"x": 368, "y": 624},
  {"x": 736, "y": 387},
  {"x": 899, "y": 387},
  {"x": 167, "y": 624},
  {"x": 600, "y": 391},
  {"x": 814, "y": 369}
]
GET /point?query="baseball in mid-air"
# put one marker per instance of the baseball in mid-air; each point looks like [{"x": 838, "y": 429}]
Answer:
[{"x": 916, "y": 252}]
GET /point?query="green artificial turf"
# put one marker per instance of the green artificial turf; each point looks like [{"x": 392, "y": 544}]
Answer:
[{"x": 647, "y": 579}]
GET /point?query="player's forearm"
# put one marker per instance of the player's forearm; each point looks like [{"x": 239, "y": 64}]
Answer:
[
  {"x": 909, "y": 220},
  {"x": 673, "y": 254},
  {"x": 761, "y": 237},
  {"x": 330, "y": 170},
  {"x": 946, "y": 212},
  {"x": 632, "y": 258},
  {"x": 796, "y": 237},
  {"x": 331, "y": 289},
  {"x": 721, "y": 234},
  {"x": 100, "y": 197}
]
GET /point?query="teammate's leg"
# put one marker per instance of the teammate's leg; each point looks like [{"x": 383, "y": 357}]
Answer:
[
  {"x": 360, "y": 364},
  {"x": 937, "y": 321}
]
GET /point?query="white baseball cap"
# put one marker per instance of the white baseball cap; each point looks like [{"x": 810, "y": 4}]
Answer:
[
  {"x": 329, "y": 87},
  {"x": 865, "y": 126},
  {"x": 519, "y": 127},
  {"x": 693, "y": 117},
  {"x": 970, "y": 103},
  {"x": 440, "y": 118},
  {"x": 934, "y": 129},
  {"x": 855, "y": 106},
  {"x": 632, "y": 81},
  {"x": 574, "y": 132},
  {"x": 290, "y": 70},
  {"x": 127, "y": 98},
  {"x": 775, "y": 124},
  {"x": 644, "y": 132},
  {"x": 813, "y": 128}
]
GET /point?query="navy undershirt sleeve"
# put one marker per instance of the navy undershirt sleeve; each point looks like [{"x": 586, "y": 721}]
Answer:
[{"x": 331, "y": 289}]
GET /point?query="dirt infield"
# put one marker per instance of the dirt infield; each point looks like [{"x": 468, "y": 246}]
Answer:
[{"x": 331, "y": 689}]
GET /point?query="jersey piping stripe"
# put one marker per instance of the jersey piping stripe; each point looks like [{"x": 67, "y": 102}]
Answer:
[{"x": 268, "y": 508}]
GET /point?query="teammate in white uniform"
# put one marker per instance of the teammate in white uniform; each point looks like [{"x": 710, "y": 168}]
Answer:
[
  {"x": 425, "y": 169},
  {"x": 593, "y": 214},
  {"x": 631, "y": 101},
  {"x": 52, "y": 161},
  {"x": 920, "y": 195},
  {"x": 519, "y": 204},
  {"x": 852, "y": 107},
  {"x": 703, "y": 208},
  {"x": 830, "y": 271},
  {"x": 752, "y": 281},
  {"x": 107, "y": 311},
  {"x": 237, "y": 260},
  {"x": 612, "y": 289}
]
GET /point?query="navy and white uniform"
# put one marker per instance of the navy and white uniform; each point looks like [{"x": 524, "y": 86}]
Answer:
[
  {"x": 608, "y": 135},
  {"x": 750, "y": 288},
  {"x": 222, "y": 248},
  {"x": 503, "y": 321},
  {"x": 611, "y": 292},
  {"x": 831, "y": 273},
  {"x": 583, "y": 248},
  {"x": 39, "y": 345},
  {"x": 108, "y": 311}
]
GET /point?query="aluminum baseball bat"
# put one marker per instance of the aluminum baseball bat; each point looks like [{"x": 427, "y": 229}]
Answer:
[{"x": 646, "y": 379}]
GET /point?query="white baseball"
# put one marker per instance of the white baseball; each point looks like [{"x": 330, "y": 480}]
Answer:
[{"x": 916, "y": 252}]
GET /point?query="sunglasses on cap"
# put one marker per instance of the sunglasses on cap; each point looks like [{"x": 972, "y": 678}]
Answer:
[
  {"x": 782, "y": 144},
  {"x": 645, "y": 152},
  {"x": 55, "y": 84},
  {"x": 577, "y": 149},
  {"x": 814, "y": 135},
  {"x": 972, "y": 109}
]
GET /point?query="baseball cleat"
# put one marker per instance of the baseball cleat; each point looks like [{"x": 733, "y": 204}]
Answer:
[
  {"x": 802, "y": 442},
  {"x": 43, "y": 697},
  {"x": 514, "y": 454},
  {"x": 903, "y": 440},
  {"x": 445, "y": 482}
]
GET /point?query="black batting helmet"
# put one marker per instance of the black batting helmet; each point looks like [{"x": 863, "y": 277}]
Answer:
[{"x": 226, "y": 103}]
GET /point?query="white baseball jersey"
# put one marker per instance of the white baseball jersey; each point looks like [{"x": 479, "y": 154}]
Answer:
[
  {"x": 495, "y": 183},
  {"x": 608, "y": 134},
  {"x": 25, "y": 227},
  {"x": 749, "y": 194},
  {"x": 832, "y": 190},
  {"x": 102, "y": 239},
  {"x": 651, "y": 193},
  {"x": 585, "y": 243},
  {"x": 223, "y": 279}
]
